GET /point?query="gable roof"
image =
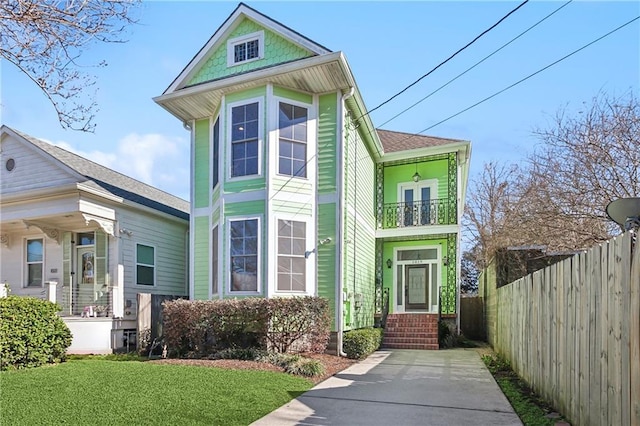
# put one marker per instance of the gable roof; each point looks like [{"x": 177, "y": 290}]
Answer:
[
  {"x": 110, "y": 180},
  {"x": 393, "y": 141},
  {"x": 242, "y": 10}
]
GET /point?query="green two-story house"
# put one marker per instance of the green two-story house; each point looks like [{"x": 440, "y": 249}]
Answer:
[{"x": 295, "y": 192}]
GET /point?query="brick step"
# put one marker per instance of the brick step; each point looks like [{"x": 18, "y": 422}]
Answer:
[
  {"x": 410, "y": 333},
  {"x": 421, "y": 329},
  {"x": 402, "y": 340},
  {"x": 428, "y": 347}
]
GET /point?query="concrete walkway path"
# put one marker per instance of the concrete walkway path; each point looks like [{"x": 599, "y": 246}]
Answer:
[{"x": 403, "y": 387}]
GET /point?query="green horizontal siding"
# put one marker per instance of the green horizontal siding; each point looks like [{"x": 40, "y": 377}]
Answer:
[
  {"x": 327, "y": 146},
  {"x": 201, "y": 164},
  {"x": 277, "y": 50},
  {"x": 201, "y": 259},
  {"x": 327, "y": 256}
]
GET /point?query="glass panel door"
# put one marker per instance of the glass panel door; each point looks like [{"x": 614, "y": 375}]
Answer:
[{"x": 417, "y": 286}]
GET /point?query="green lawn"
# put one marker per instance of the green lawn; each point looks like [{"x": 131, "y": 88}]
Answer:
[{"x": 100, "y": 392}]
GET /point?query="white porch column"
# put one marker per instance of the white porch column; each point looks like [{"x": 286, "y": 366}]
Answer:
[
  {"x": 52, "y": 287},
  {"x": 118, "y": 293}
]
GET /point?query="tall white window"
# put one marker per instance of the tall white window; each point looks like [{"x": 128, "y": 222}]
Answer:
[
  {"x": 243, "y": 247},
  {"x": 292, "y": 147},
  {"x": 292, "y": 237},
  {"x": 244, "y": 140},
  {"x": 145, "y": 265},
  {"x": 35, "y": 260}
]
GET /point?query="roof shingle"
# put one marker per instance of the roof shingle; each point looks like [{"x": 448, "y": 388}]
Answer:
[
  {"x": 114, "y": 182},
  {"x": 393, "y": 141}
]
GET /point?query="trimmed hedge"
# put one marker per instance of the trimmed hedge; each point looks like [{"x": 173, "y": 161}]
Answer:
[
  {"x": 31, "y": 333},
  {"x": 196, "y": 329},
  {"x": 359, "y": 344}
]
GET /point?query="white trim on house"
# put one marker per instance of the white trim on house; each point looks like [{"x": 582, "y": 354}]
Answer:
[
  {"x": 194, "y": 212},
  {"x": 417, "y": 231},
  {"x": 241, "y": 197},
  {"x": 244, "y": 39},
  {"x": 330, "y": 198}
]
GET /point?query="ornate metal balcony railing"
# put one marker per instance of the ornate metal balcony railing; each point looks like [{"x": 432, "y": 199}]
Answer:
[{"x": 417, "y": 213}]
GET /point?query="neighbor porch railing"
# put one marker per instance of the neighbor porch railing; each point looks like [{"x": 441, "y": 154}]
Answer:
[
  {"x": 417, "y": 213},
  {"x": 86, "y": 301}
]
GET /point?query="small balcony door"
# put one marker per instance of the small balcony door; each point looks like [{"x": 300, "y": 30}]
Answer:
[{"x": 415, "y": 199}]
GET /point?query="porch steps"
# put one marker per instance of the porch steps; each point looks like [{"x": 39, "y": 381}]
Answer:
[{"x": 411, "y": 331}]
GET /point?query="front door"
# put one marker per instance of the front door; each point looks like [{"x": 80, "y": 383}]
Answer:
[
  {"x": 85, "y": 278},
  {"x": 417, "y": 277},
  {"x": 417, "y": 287}
]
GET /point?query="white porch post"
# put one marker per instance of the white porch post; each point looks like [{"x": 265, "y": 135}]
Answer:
[
  {"x": 52, "y": 286},
  {"x": 118, "y": 293}
]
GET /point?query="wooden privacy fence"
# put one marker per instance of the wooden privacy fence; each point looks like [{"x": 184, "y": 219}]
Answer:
[{"x": 572, "y": 331}]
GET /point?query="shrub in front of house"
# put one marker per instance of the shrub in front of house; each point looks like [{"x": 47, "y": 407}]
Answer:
[
  {"x": 31, "y": 333},
  {"x": 359, "y": 344},
  {"x": 196, "y": 329}
]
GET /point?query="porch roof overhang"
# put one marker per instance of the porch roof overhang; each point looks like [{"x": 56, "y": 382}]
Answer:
[
  {"x": 316, "y": 75},
  {"x": 416, "y": 232},
  {"x": 72, "y": 207}
]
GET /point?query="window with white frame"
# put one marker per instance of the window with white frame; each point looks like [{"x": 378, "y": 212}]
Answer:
[
  {"x": 243, "y": 248},
  {"x": 145, "y": 265},
  {"x": 292, "y": 238},
  {"x": 244, "y": 140},
  {"x": 292, "y": 146},
  {"x": 216, "y": 156},
  {"x": 246, "y": 48},
  {"x": 35, "y": 262}
]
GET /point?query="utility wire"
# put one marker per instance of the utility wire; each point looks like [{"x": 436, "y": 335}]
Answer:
[
  {"x": 522, "y": 80},
  {"x": 475, "y": 65},
  {"x": 446, "y": 60}
]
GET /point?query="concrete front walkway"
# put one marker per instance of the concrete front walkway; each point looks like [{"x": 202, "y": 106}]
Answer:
[{"x": 403, "y": 387}]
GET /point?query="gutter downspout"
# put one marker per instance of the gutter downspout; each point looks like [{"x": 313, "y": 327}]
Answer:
[{"x": 340, "y": 289}]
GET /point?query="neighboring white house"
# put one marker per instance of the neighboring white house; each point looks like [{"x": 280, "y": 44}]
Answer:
[{"x": 86, "y": 237}]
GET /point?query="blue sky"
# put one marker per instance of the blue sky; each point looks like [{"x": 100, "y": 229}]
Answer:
[{"x": 388, "y": 45}]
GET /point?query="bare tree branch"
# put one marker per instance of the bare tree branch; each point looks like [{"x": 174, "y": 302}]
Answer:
[
  {"x": 45, "y": 38},
  {"x": 558, "y": 198}
]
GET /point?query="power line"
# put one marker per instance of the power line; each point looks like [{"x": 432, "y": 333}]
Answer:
[
  {"x": 446, "y": 60},
  {"x": 475, "y": 65},
  {"x": 523, "y": 79}
]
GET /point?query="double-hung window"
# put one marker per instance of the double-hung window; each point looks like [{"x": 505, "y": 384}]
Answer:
[
  {"x": 292, "y": 147},
  {"x": 244, "y": 140},
  {"x": 145, "y": 265},
  {"x": 292, "y": 237},
  {"x": 244, "y": 255},
  {"x": 35, "y": 260}
]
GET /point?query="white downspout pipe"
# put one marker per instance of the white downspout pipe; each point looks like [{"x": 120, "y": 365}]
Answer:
[{"x": 340, "y": 239}]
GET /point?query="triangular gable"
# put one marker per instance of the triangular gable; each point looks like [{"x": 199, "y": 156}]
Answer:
[
  {"x": 281, "y": 44},
  {"x": 32, "y": 167}
]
